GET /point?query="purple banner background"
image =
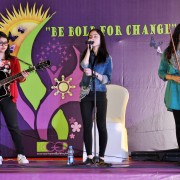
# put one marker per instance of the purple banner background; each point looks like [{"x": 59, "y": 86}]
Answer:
[{"x": 150, "y": 126}]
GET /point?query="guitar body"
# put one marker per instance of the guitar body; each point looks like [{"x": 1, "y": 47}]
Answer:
[
  {"x": 3, "y": 88},
  {"x": 5, "y": 79}
]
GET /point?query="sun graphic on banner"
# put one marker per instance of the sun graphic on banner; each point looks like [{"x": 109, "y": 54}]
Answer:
[
  {"x": 19, "y": 23},
  {"x": 63, "y": 87},
  {"x": 22, "y": 25}
]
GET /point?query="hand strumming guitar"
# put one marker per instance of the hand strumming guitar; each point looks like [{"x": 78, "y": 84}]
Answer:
[{"x": 24, "y": 75}]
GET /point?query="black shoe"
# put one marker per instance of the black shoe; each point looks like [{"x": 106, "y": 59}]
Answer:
[
  {"x": 88, "y": 161},
  {"x": 104, "y": 164},
  {"x": 101, "y": 161}
]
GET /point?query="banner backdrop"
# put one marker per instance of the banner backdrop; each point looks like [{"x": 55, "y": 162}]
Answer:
[{"x": 136, "y": 33}]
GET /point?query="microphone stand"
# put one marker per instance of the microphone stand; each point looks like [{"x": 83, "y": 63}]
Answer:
[{"x": 95, "y": 158}]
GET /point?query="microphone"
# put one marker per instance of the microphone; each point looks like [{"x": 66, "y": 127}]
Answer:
[{"x": 90, "y": 42}]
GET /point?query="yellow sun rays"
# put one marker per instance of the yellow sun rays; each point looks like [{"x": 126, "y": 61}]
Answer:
[{"x": 19, "y": 16}]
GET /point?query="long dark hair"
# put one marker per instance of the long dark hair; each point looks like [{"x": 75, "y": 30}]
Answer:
[
  {"x": 176, "y": 36},
  {"x": 102, "y": 51},
  {"x": 7, "y": 52}
]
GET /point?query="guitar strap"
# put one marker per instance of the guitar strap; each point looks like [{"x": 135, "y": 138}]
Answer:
[{"x": 25, "y": 62}]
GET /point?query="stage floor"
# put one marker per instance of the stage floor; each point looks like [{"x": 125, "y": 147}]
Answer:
[{"x": 57, "y": 169}]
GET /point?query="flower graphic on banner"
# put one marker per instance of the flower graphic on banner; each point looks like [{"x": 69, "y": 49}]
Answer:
[
  {"x": 63, "y": 86},
  {"x": 72, "y": 120},
  {"x": 72, "y": 136},
  {"x": 76, "y": 127}
]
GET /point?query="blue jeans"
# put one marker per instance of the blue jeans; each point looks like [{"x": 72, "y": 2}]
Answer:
[
  {"x": 9, "y": 111},
  {"x": 87, "y": 107}
]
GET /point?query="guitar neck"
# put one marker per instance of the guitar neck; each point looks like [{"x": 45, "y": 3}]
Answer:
[{"x": 16, "y": 76}]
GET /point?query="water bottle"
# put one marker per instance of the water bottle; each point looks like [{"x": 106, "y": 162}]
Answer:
[{"x": 70, "y": 157}]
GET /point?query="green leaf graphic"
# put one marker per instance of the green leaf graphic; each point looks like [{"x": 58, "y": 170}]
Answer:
[
  {"x": 59, "y": 123},
  {"x": 33, "y": 88}
]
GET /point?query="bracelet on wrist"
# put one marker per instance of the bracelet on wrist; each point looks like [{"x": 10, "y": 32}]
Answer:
[{"x": 95, "y": 74}]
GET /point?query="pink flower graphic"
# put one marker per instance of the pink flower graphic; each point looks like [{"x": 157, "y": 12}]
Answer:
[{"x": 76, "y": 127}]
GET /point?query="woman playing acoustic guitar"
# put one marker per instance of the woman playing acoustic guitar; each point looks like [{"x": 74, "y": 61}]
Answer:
[{"x": 9, "y": 66}]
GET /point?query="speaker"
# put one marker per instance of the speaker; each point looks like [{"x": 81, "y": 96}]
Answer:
[{"x": 162, "y": 155}]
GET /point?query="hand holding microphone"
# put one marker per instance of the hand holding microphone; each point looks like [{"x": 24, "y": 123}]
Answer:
[{"x": 90, "y": 43}]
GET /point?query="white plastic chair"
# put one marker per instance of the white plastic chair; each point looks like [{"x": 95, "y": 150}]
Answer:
[{"x": 117, "y": 146}]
